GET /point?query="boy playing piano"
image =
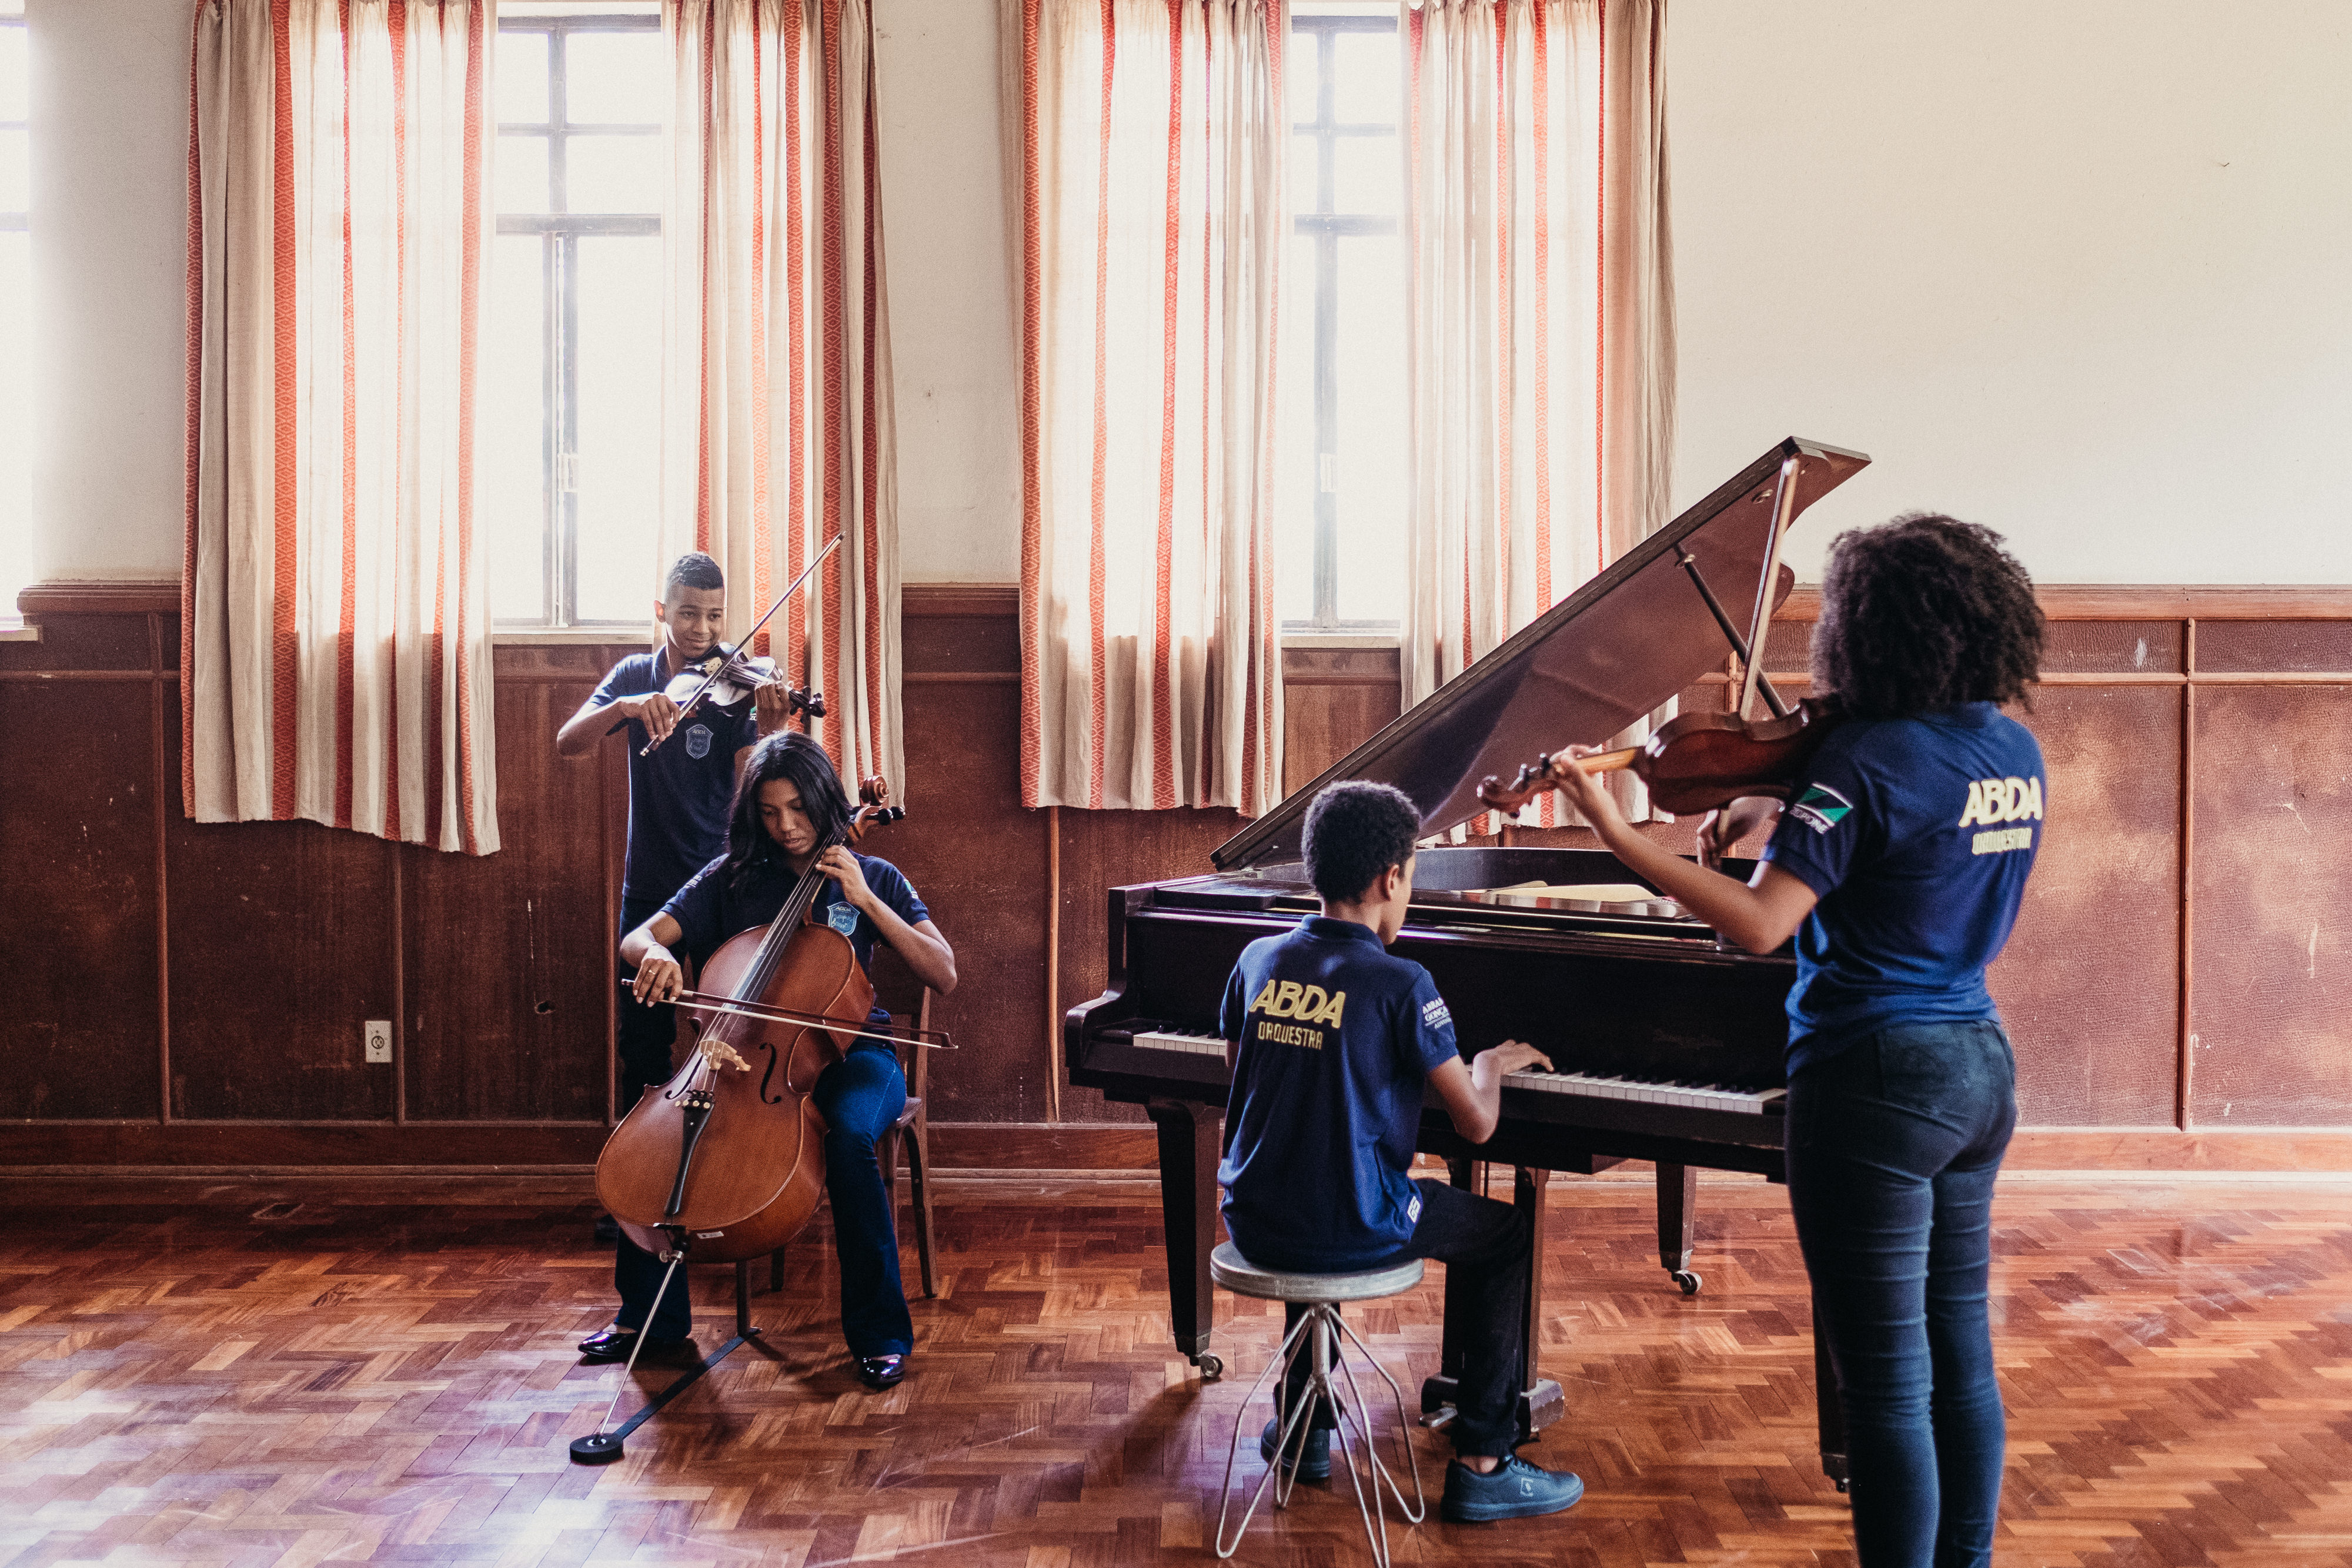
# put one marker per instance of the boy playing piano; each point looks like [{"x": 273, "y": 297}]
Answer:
[{"x": 1329, "y": 1039}]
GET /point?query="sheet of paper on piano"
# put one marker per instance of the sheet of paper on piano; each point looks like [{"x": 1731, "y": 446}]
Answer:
[{"x": 1535, "y": 895}]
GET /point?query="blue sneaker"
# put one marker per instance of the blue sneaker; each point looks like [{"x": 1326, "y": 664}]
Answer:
[
  {"x": 1317, "y": 1464},
  {"x": 1516, "y": 1489}
]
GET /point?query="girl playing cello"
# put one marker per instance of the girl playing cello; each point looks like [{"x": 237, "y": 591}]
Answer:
[{"x": 789, "y": 802}]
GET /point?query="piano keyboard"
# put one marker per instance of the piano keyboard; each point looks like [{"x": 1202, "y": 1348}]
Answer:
[
  {"x": 1691, "y": 1096},
  {"x": 1180, "y": 1040}
]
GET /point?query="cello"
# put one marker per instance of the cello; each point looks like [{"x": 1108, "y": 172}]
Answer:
[{"x": 726, "y": 1161}]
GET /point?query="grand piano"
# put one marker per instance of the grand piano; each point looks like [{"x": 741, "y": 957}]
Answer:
[{"x": 1666, "y": 1045}]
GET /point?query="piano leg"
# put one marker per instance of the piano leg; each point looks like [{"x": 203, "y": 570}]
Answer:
[
  {"x": 1190, "y": 1136},
  {"x": 1541, "y": 1403},
  {"x": 1828, "y": 1412},
  {"x": 1678, "y": 1211}
]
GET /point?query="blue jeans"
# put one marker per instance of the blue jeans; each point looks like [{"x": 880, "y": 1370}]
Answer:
[
  {"x": 858, "y": 1096},
  {"x": 1894, "y": 1143}
]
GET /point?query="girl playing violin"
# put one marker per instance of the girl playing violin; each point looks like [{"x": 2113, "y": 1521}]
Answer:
[
  {"x": 789, "y": 802},
  {"x": 1898, "y": 865}
]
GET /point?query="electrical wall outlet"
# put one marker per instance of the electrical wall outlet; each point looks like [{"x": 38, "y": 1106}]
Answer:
[{"x": 379, "y": 1039}]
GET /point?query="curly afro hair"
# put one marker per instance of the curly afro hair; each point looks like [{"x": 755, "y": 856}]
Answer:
[
  {"x": 1355, "y": 831},
  {"x": 1923, "y": 612}
]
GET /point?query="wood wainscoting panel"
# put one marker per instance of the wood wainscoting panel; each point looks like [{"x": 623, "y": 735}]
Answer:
[
  {"x": 2089, "y": 984},
  {"x": 1333, "y": 700},
  {"x": 2271, "y": 1015},
  {"x": 507, "y": 958},
  {"x": 1103, "y": 850},
  {"x": 978, "y": 858},
  {"x": 77, "y": 843},
  {"x": 282, "y": 948}
]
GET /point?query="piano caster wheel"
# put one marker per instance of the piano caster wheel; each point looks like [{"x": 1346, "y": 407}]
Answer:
[
  {"x": 1689, "y": 1281},
  {"x": 1212, "y": 1368}
]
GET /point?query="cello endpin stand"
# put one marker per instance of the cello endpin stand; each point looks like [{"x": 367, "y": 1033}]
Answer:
[{"x": 604, "y": 1445}]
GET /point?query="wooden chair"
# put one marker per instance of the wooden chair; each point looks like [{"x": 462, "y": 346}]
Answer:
[{"x": 909, "y": 1002}]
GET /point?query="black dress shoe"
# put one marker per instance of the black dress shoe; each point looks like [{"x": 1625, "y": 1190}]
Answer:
[
  {"x": 881, "y": 1371},
  {"x": 614, "y": 1344}
]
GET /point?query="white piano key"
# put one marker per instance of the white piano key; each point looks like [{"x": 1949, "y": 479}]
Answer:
[{"x": 1681, "y": 1096}]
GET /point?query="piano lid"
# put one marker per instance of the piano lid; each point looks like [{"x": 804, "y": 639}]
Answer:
[{"x": 1611, "y": 652}]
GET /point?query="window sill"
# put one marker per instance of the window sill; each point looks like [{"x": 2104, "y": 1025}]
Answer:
[
  {"x": 570, "y": 637},
  {"x": 1340, "y": 640},
  {"x": 13, "y": 629}
]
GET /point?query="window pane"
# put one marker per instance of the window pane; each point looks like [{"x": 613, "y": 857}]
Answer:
[
  {"x": 619, "y": 429},
  {"x": 1295, "y": 471},
  {"x": 1299, "y": 69},
  {"x": 1371, "y": 408},
  {"x": 614, "y": 79},
  {"x": 15, "y": 182},
  {"x": 1366, "y": 178},
  {"x": 521, "y": 174},
  {"x": 1367, "y": 89},
  {"x": 514, "y": 430},
  {"x": 1301, "y": 174},
  {"x": 613, "y": 173},
  {"x": 522, "y": 77},
  {"x": 15, "y": 416}
]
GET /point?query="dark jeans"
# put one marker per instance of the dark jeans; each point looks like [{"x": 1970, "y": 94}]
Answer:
[
  {"x": 1487, "y": 1246},
  {"x": 859, "y": 1097},
  {"x": 647, "y": 1035},
  {"x": 1894, "y": 1143}
]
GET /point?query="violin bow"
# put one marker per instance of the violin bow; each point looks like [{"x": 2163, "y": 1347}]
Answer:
[
  {"x": 713, "y": 678},
  {"x": 703, "y": 1002}
]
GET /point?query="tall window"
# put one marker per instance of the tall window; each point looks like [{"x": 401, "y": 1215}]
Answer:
[
  {"x": 572, "y": 329},
  {"x": 1340, "y": 494},
  {"x": 15, "y": 304}
]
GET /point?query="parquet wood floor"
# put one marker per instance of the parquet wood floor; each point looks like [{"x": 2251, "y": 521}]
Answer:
[{"x": 381, "y": 1370}]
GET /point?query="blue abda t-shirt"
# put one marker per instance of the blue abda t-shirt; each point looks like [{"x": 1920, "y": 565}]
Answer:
[
  {"x": 677, "y": 797},
  {"x": 1918, "y": 835},
  {"x": 1335, "y": 1039}
]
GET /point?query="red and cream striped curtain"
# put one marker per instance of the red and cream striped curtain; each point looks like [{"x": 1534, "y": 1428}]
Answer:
[
  {"x": 777, "y": 432},
  {"x": 1151, "y": 140},
  {"x": 335, "y": 631},
  {"x": 1540, "y": 354}
]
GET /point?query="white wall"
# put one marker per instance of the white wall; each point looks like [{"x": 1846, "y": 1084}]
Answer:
[
  {"x": 109, "y": 80},
  {"x": 2082, "y": 272},
  {"x": 954, "y": 344}
]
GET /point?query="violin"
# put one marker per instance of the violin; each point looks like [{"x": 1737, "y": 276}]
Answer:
[
  {"x": 727, "y": 1159},
  {"x": 1697, "y": 762}
]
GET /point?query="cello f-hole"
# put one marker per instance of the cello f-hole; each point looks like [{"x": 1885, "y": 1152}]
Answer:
[{"x": 766, "y": 1098}]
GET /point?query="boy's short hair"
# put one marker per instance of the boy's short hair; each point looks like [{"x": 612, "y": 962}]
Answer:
[
  {"x": 1356, "y": 830},
  {"x": 693, "y": 570}
]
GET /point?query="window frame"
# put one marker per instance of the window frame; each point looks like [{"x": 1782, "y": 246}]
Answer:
[
  {"x": 1327, "y": 228},
  {"x": 559, "y": 260}
]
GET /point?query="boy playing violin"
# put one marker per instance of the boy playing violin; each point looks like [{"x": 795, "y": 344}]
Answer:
[
  {"x": 1329, "y": 1039},
  {"x": 678, "y": 796}
]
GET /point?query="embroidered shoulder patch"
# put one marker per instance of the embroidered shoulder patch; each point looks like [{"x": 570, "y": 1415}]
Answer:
[
  {"x": 1435, "y": 1014},
  {"x": 1821, "y": 808}
]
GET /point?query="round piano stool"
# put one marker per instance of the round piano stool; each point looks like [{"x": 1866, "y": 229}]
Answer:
[{"x": 1321, "y": 1336}]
